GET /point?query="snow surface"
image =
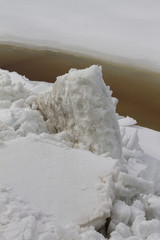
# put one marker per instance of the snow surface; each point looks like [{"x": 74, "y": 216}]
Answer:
[
  {"x": 48, "y": 188},
  {"x": 55, "y": 179},
  {"x": 126, "y": 31}
]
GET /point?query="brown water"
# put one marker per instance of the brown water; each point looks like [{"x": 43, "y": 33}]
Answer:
[{"x": 138, "y": 90}]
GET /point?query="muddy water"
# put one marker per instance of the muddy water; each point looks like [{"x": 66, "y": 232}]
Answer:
[{"x": 138, "y": 90}]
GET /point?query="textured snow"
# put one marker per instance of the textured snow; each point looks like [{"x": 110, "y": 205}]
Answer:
[
  {"x": 41, "y": 173},
  {"x": 16, "y": 116},
  {"x": 19, "y": 220},
  {"x": 43, "y": 170},
  {"x": 125, "y": 31},
  {"x": 137, "y": 187},
  {"x": 55, "y": 179},
  {"x": 80, "y": 105}
]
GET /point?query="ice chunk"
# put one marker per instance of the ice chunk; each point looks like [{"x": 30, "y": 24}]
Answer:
[
  {"x": 121, "y": 212},
  {"x": 60, "y": 181},
  {"x": 136, "y": 185},
  {"x": 128, "y": 121},
  {"x": 143, "y": 229},
  {"x": 153, "y": 206},
  {"x": 80, "y": 104},
  {"x": 122, "y": 230},
  {"x": 5, "y": 104}
]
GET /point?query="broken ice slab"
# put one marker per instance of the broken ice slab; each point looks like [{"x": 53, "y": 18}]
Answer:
[{"x": 59, "y": 181}]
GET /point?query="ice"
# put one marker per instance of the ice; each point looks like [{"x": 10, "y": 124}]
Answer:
[
  {"x": 136, "y": 184},
  {"x": 127, "y": 121},
  {"x": 154, "y": 236},
  {"x": 40, "y": 165},
  {"x": 152, "y": 206},
  {"x": 136, "y": 209},
  {"x": 122, "y": 232},
  {"x": 9, "y": 91},
  {"x": 80, "y": 104},
  {"x": 143, "y": 228},
  {"x": 60, "y": 181},
  {"x": 121, "y": 212},
  {"x": 16, "y": 116},
  {"x": 115, "y": 30},
  {"x": 19, "y": 220}
]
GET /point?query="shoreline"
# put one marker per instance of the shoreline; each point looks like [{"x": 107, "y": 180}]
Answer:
[
  {"x": 137, "y": 89},
  {"x": 51, "y": 46}
]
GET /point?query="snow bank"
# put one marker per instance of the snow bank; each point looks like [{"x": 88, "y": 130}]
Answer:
[{"x": 80, "y": 105}]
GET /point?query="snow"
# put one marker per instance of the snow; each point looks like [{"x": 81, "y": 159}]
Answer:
[
  {"x": 47, "y": 174},
  {"x": 20, "y": 221},
  {"x": 136, "y": 187},
  {"x": 80, "y": 105},
  {"x": 149, "y": 141},
  {"x": 122, "y": 31},
  {"x": 50, "y": 190},
  {"x": 55, "y": 179}
]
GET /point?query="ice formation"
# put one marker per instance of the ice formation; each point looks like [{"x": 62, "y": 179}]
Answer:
[
  {"x": 48, "y": 170},
  {"x": 80, "y": 105},
  {"x": 20, "y": 221},
  {"x": 135, "y": 212},
  {"x": 135, "y": 209},
  {"x": 17, "y": 118}
]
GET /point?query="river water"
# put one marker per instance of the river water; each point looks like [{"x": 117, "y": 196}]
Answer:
[{"x": 138, "y": 90}]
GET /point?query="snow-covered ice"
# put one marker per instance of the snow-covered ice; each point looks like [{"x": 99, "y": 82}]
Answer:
[
  {"x": 57, "y": 179},
  {"x": 50, "y": 190},
  {"x": 80, "y": 105},
  {"x": 32, "y": 205},
  {"x": 41, "y": 168}
]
